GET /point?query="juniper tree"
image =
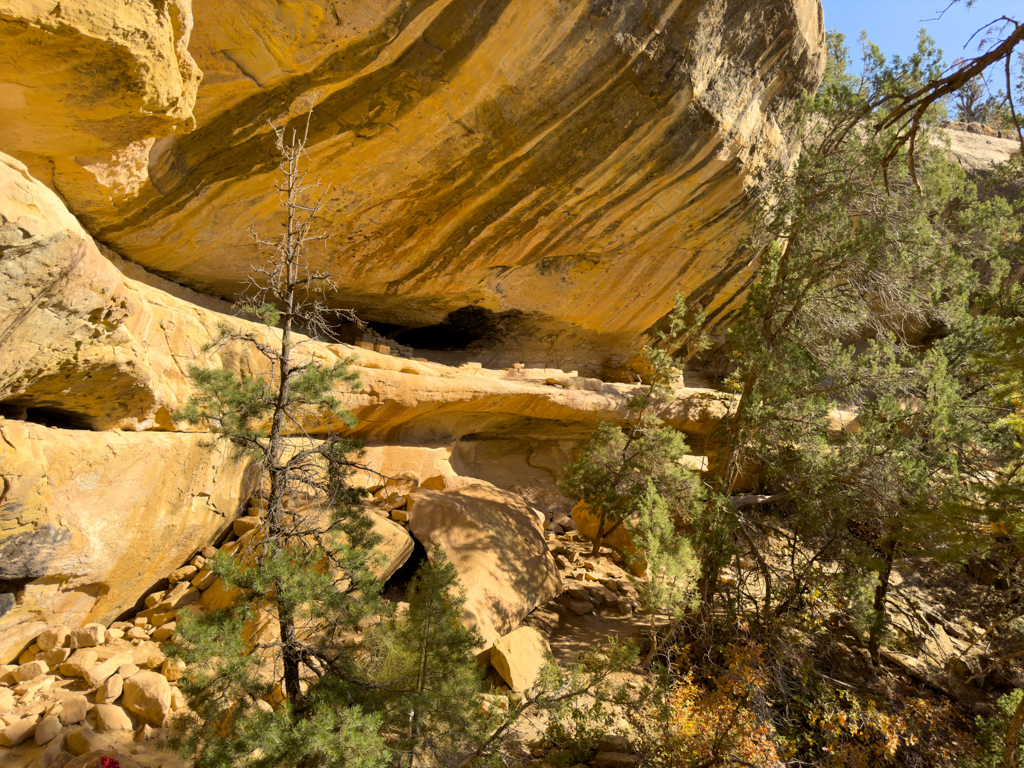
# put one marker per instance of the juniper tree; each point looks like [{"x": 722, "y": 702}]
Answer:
[
  {"x": 860, "y": 306},
  {"x": 303, "y": 577},
  {"x": 634, "y": 477}
]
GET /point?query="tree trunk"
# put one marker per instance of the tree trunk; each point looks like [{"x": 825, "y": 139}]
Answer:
[
  {"x": 1013, "y": 736},
  {"x": 599, "y": 538},
  {"x": 290, "y": 655},
  {"x": 881, "y": 593},
  {"x": 421, "y": 680},
  {"x": 278, "y": 469}
]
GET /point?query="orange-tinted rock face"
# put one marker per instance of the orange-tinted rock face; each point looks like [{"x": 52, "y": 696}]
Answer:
[
  {"x": 83, "y": 346},
  {"x": 567, "y": 165},
  {"x": 89, "y": 520},
  {"x": 87, "y": 86}
]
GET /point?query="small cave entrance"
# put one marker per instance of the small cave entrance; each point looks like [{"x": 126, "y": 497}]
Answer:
[
  {"x": 9, "y": 589},
  {"x": 461, "y": 329},
  {"x": 45, "y": 415},
  {"x": 396, "y": 588}
]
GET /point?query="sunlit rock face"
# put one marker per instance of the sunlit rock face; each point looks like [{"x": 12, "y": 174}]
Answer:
[
  {"x": 567, "y": 166},
  {"x": 86, "y": 88}
]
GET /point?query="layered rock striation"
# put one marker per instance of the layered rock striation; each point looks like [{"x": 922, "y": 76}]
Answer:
[
  {"x": 102, "y": 494},
  {"x": 533, "y": 162},
  {"x": 83, "y": 346}
]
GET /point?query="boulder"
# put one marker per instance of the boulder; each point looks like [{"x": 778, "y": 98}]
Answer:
[
  {"x": 146, "y": 655},
  {"x": 97, "y": 674},
  {"x": 74, "y": 709},
  {"x": 30, "y": 670},
  {"x": 185, "y": 573},
  {"x": 36, "y": 685},
  {"x": 183, "y": 594},
  {"x": 112, "y": 718},
  {"x": 519, "y": 657},
  {"x": 203, "y": 579},
  {"x": 178, "y": 702},
  {"x": 79, "y": 663},
  {"x": 84, "y": 740},
  {"x": 159, "y": 619},
  {"x": 243, "y": 525},
  {"x": 18, "y": 731},
  {"x": 173, "y": 669},
  {"x": 54, "y": 658},
  {"x": 89, "y": 636},
  {"x": 394, "y": 549},
  {"x": 148, "y": 695},
  {"x": 54, "y": 638},
  {"x": 110, "y": 689},
  {"x": 48, "y": 729},
  {"x": 165, "y": 632},
  {"x": 496, "y": 545},
  {"x": 581, "y": 607}
]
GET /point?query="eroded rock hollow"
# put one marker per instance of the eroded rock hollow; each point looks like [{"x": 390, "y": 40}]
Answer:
[
  {"x": 563, "y": 168},
  {"x": 515, "y": 188}
]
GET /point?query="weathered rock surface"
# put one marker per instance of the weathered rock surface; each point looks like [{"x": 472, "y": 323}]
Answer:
[
  {"x": 976, "y": 148},
  {"x": 519, "y": 657},
  {"x": 394, "y": 549},
  {"x": 112, "y": 718},
  {"x": 148, "y": 695},
  {"x": 84, "y": 740},
  {"x": 515, "y": 156},
  {"x": 88, "y": 85},
  {"x": 18, "y": 731},
  {"x": 92, "y": 519},
  {"x": 83, "y": 346},
  {"x": 496, "y": 545}
]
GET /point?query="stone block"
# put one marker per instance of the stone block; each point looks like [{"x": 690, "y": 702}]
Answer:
[
  {"x": 110, "y": 717},
  {"x": 148, "y": 694},
  {"x": 519, "y": 656},
  {"x": 19, "y": 731},
  {"x": 55, "y": 637}
]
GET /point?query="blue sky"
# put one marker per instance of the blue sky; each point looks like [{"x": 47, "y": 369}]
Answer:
[{"x": 893, "y": 24}]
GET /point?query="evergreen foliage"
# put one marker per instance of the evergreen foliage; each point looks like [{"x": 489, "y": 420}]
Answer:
[
  {"x": 425, "y": 663},
  {"x": 634, "y": 477},
  {"x": 861, "y": 306},
  {"x": 271, "y": 676}
]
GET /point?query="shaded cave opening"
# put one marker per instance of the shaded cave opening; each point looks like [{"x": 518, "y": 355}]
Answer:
[
  {"x": 45, "y": 415},
  {"x": 9, "y": 591},
  {"x": 396, "y": 588},
  {"x": 461, "y": 329}
]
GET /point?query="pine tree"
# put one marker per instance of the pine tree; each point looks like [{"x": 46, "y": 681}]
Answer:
[
  {"x": 425, "y": 661},
  {"x": 271, "y": 677}
]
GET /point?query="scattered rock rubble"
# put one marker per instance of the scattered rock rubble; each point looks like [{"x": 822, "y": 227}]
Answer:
[{"x": 100, "y": 689}]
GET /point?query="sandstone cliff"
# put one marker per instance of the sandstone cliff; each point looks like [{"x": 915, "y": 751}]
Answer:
[
  {"x": 539, "y": 161},
  {"x": 100, "y": 497}
]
